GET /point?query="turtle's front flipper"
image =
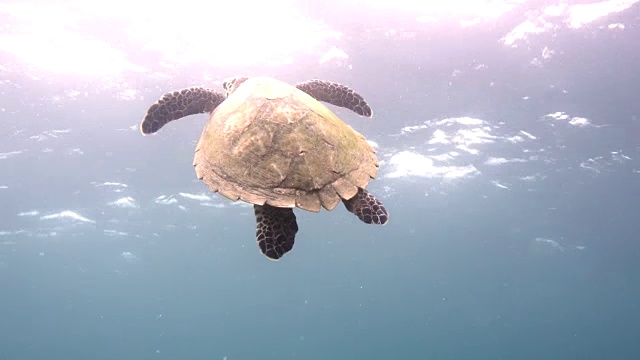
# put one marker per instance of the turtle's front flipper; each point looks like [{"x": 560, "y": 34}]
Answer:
[
  {"x": 178, "y": 104},
  {"x": 336, "y": 94},
  {"x": 276, "y": 230},
  {"x": 367, "y": 208}
]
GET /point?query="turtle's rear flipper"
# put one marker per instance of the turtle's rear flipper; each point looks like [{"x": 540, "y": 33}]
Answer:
[
  {"x": 276, "y": 230},
  {"x": 336, "y": 94},
  {"x": 367, "y": 208},
  {"x": 178, "y": 104}
]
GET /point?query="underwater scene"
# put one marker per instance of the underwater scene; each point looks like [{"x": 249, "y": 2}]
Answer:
[{"x": 299, "y": 179}]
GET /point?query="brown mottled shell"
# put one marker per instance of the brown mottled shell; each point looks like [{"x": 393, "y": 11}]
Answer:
[{"x": 270, "y": 143}]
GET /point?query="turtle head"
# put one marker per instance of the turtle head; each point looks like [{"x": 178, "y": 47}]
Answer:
[{"x": 231, "y": 84}]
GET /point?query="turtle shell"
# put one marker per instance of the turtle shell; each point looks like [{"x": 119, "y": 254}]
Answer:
[{"x": 271, "y": 143}]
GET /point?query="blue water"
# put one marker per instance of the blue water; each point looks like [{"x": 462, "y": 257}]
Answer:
[{"x": 511, "y": 174}]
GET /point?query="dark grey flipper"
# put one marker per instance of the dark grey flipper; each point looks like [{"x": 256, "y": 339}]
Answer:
[
  {"x": 367, "y": 208},
  {"x": 178, "y": 104},
  {"x": 336, "y": 94},
  {"x": 276, "y": 230}
]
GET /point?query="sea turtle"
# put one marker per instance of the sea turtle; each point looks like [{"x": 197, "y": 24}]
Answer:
[{"x": 277, "y": 147}]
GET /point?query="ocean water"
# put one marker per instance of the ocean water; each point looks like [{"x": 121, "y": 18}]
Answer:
[{"x": 508, "y": 136}]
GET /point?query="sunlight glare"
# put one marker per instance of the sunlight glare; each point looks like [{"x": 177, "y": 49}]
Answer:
[
  {"x": 237, "y": 33},
  {"x": 83, "y": 37},
  {"x": 43, "y": 37},
  {"x": 460, "y": 9}
]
